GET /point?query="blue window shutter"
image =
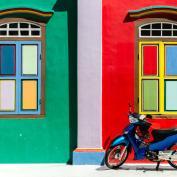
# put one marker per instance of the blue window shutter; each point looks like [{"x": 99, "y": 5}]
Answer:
[
  {"x": 30, "y": 77},
  {"x": 12, "y": 51}
]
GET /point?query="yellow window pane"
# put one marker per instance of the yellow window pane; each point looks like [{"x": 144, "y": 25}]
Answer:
[{"x": 29, "y": 94}]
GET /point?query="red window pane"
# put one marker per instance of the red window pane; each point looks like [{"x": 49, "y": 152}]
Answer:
[{"x": 150, "y": 59}]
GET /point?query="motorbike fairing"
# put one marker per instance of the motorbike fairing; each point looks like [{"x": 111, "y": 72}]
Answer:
[
  {"x": 164, "y": 144},
  {"x": 120, "y": 140}
]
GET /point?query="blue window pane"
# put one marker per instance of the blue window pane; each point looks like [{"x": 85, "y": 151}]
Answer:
[
  {"x": 171, "y": 60},
  {"x": 171, "y": 95},
  {"x": 7, "y": 60}
]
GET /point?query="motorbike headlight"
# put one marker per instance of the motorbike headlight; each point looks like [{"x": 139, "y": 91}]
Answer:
[
  {"x": 132, "y": 119},
  {"x": 142, "y": 117}
]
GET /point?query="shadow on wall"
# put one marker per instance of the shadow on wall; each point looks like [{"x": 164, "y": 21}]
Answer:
[{"x": 71, "y": 7}]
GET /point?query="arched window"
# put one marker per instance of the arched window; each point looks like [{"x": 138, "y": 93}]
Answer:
[
  {"x": 20, "y": 29},
  {"x": 158, "y": 29},
  {"x": 158, "y": 68},
  {"x": 22, "y": 62},
  {"x": 156, "y": 64},
  {"x": 22, "y": 45}
]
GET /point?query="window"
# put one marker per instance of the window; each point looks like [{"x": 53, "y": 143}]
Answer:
[
  {"x": 20, "y": 77},
  {"x": 157, "y": 68},
  {"x": 20, "y": 29},
  {"x": 158, "y": 77},
  {"x": 21, "y": 71},
  {"x": 158, "y": 29}
]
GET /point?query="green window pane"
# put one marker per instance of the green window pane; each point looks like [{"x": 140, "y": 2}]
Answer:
[
  {"x": 150, "y": 95},
  {"x": 29, "y": 59},
  {"x": 170, "y": 95}
]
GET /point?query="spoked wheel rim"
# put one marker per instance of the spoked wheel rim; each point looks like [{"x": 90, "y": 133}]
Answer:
[
  {"x": 117, "y": 155},
  {"x": 173, "y": 163}
]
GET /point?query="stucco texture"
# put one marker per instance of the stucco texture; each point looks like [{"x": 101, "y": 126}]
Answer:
[
  {"x": 119, "y": 46},
  {"x": 46, "y": 140}
]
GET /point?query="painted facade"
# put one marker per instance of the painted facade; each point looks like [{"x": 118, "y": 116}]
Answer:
[
  {"x": 124, "y": 55},
  {"x": 87, "y": 73},
  {"x": 120, "y": 55},
  {"x": 46, "y": 137}
]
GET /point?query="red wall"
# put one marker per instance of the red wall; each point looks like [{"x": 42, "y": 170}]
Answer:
[{"x": 118, "y": 64}]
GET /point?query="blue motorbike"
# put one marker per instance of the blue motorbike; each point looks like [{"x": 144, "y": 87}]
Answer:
[{"x": 162, "y": 148}]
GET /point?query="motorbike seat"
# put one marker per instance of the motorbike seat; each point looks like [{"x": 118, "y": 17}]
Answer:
[{"x": 161, "y": 134}]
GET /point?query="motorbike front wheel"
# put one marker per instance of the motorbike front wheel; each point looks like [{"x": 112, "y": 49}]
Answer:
[
  {"x": 116, "y": 156},
  {"x": 174, "y": 162}
]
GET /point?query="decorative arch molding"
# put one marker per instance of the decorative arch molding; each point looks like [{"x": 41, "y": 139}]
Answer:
[
  {"x": 168, "y": 12},
  {"x": 27, "y": 13}
]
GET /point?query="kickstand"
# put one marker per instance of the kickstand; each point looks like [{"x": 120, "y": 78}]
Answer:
[{"x": 158, "y": 164}]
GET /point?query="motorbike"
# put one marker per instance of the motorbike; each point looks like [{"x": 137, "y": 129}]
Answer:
[{"x": 163, "y": 147}]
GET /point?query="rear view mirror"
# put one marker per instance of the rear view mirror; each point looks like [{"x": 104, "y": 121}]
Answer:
[{"x": 149, "y": 116}]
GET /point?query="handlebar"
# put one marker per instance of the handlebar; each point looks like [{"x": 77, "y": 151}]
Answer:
[{"x": 139, "y": 118}]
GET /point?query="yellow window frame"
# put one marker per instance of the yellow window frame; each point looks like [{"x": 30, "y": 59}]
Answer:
[{"x": 160, "y": 77}]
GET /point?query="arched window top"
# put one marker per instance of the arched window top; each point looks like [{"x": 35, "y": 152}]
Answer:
[
  {"x": 20, "y": 29},
  {"x": 158, "y": 29}
]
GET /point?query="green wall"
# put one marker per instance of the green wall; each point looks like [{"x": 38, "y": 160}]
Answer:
[{"x": 53, "y": 138}]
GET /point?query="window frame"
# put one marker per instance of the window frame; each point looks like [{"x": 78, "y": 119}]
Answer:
[
  {"x": 31, "y": 40},
  {"x": 20, "y": 29},
  {"x": 161, "y": 77},
  {"x": 138, "y": 39},
  {"x": 19, "y": 77},
  {"x": 161, "y": 30}
]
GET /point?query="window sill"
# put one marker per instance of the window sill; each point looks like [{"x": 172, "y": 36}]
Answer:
[
  {"x": 22, "y": 116},
  {"x": 174, "y": 116}
]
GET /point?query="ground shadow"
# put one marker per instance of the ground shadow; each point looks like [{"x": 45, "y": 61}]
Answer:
[
  {"x": 71, "y": 7},
  {"x": 139, "y": 168}
]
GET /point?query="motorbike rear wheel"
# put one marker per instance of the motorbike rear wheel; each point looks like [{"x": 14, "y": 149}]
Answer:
[
  {"x": 116, "y": 156},
  {"x": 173, "y": 163}
]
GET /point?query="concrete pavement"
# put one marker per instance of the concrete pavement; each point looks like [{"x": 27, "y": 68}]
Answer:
[{"x": 61, "y": 170}]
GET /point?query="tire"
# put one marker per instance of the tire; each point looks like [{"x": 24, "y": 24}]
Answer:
[
  {"x": 173, "y": 163},
  {"x": 113, "y": 154}
]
